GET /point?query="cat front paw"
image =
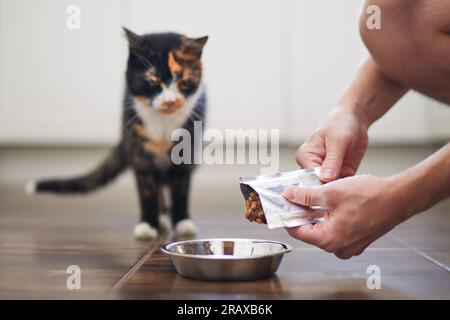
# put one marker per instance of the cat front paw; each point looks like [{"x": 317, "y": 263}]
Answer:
[
  {"x": 185, "y": 228},
  {"x": 144, "y": 231},
  {"x": 164, "y": 222}
]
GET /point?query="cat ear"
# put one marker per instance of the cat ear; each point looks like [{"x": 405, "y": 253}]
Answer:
[
  {"x": 194, "y": 46},
  {"x": 201, "y": 41},
  {"x": 134, "y": 40}
]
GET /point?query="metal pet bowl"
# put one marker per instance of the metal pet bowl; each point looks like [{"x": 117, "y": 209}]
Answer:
[{"x": 226, "y": 259}]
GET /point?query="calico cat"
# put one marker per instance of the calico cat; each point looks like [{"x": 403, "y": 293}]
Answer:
[{"x": 163, "y": 92}]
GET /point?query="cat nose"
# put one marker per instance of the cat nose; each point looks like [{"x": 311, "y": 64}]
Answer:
[{"x": 170, "y": 104}]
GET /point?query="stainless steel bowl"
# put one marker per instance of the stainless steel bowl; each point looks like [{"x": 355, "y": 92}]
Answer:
[{"x": 226, "y": 259}]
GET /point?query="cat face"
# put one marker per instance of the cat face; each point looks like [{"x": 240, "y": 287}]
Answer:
[{"x": 164, "y": 69}]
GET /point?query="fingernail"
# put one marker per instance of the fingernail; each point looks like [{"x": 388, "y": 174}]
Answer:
[
  {"x": 288, "y": 193},
  {"x": 327, "y": 173}
]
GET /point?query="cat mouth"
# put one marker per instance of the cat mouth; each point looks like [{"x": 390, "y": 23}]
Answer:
[{"x": 171, "y": 107}]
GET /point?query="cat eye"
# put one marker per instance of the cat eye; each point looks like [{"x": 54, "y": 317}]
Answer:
[
  {"x": 177, "y": 75},
  {"x": 151, "y": 77},
  {"x": 185, "y": 84},
  {"x": 153, "y": 81}
]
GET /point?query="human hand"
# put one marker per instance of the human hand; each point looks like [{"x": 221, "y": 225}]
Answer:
[
  {"x": 338, "y": 146},
  {"x": 359, "y": 210}
]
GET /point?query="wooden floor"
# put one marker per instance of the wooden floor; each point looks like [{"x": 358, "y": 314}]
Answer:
[{"x": 41, "y": 236}]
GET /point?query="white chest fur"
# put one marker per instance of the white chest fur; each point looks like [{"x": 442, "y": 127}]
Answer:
[{"x": 160, "y": 126}]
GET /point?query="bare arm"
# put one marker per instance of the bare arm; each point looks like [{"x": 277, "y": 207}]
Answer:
[
  {"x": 339, "y": 144},
  {"x": 425, "y": 184},
  {"x": 371, "y": 93}
]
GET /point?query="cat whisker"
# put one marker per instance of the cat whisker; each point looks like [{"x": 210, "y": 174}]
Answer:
[
  {"x": 196, "y": 112},
  {"x": 130, "y": 121},
  {"x": 129, "y": 106},
  {"x": 192, "y": 117},
  {"x": 127, "y": 126},
  {"x": 196, "y": 115},
  {"x": 147, "y": 63}
]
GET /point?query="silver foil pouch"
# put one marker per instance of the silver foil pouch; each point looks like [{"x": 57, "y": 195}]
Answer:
[{"x": 278, "y": 211}]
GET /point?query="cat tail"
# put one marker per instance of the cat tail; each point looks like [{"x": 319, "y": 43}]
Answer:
[{"x": 111, "y": 167}]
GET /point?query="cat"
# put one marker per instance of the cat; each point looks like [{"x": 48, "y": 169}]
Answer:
[{"x": 163, "y": 92}]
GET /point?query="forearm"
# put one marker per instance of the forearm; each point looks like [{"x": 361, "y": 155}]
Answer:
[
  {"x": 423, "y": 185},
  {"x": 371, "y": 94}
]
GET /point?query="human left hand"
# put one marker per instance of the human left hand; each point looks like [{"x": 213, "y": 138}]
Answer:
[{"x": 358, "y": 210}]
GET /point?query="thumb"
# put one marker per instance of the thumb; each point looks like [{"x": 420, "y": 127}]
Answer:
[
  {"x": 331, "y": 166},
  {"x": 303, "y": 196}
]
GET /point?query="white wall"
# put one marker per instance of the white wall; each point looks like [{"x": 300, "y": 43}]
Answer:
[
  {"x": 268, "y": 64},
  {"x": 57, "y": 85}
]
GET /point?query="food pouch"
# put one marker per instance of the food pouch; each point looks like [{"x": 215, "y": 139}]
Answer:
[{"x": 265, "y": 204}]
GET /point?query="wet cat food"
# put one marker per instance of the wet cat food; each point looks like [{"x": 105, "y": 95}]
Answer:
[
  {"x": 264, "y": 203},
  {"x": 253, "y": 209}
]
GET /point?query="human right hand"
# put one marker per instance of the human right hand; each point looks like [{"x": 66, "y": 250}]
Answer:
[{"x": 337, "y": 146}]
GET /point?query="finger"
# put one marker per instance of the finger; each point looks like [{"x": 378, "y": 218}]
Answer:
[
  {"x": 309, "y": 233},
  {"x": 304, "y": 196},
  {"x": 355, "y": 249},
  {"x": 335, "y": 152},
  {"x": 344, "y": 255},
  {"x": 347, "y": 171},
  {"x": 308, "y": 160},
  {"x": 317, "y": 213}
]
